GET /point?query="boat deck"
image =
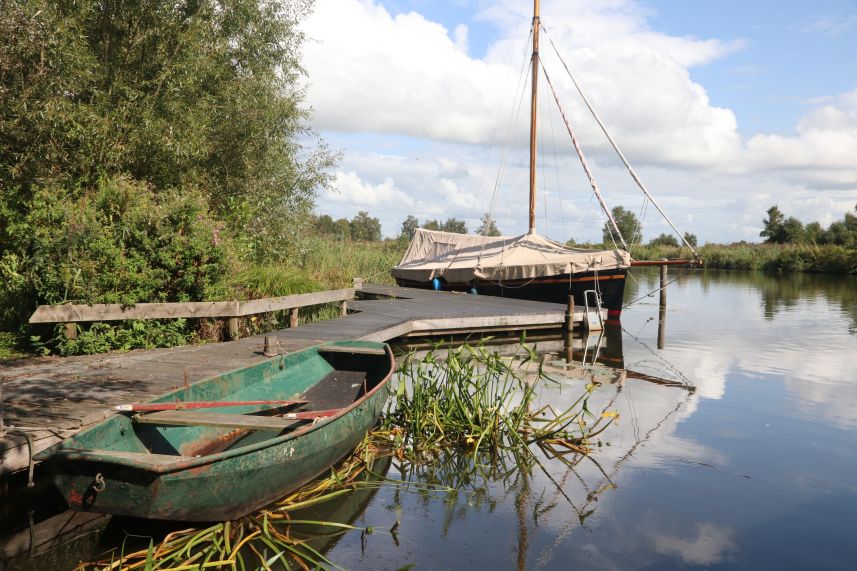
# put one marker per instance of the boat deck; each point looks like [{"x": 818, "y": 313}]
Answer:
[{"x": 53, "y": 398}]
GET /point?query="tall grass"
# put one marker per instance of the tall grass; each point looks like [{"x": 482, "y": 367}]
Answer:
[{"x": 762, "y": 257}]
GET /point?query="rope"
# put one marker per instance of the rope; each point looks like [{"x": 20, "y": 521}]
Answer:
[
  {"x": 583, "y": 162},
  {"x": 631, "y": 170},
  {"x": 654, "y": 291}
]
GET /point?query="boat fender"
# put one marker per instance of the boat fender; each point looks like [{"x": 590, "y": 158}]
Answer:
[{"x": 435, "y": 284}]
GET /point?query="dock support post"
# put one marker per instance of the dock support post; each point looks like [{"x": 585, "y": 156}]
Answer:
[
  {"x": 357, "y": 283},
  {"x": 293, "y": 317},
  {"x": 569, "y": 314},
  {"x": 71, "y": 331},
  {"x": 662, "y": 310},
  {"x": 232, "y": 324},
  {"x": 343, "y": 309}
]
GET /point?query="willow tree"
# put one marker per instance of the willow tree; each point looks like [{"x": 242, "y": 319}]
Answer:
[{"x": 175, "y": 94}]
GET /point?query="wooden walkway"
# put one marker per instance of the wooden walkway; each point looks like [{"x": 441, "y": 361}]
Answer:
[{"x": 53, "y": 398}]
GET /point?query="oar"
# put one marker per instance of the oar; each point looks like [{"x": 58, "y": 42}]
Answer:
[{"x": 178, "y": 405}]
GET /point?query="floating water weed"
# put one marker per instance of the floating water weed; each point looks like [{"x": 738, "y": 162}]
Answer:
[{"x": 472, "y": 397}]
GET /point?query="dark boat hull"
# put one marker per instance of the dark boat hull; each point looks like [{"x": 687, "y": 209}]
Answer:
[
  {"x": 212, "y": 487},
  {"x": 554, "y": 289}
]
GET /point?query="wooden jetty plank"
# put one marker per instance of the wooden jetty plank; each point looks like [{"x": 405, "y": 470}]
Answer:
[{"x": 77, "y": 390}]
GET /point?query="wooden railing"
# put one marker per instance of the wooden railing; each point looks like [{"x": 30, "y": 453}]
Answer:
[{"x": 231, "y": 310}]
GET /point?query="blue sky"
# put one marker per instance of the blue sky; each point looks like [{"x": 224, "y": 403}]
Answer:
[{"x": 723, "y": 107}]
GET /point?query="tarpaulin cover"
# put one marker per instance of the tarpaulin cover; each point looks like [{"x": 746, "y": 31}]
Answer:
[{"x": 460, "y": 258}]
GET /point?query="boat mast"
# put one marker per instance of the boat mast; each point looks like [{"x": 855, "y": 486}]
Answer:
[{"x": 533, "y": 103}]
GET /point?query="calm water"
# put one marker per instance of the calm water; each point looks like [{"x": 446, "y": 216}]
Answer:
[{"x": 755, "y": 469}]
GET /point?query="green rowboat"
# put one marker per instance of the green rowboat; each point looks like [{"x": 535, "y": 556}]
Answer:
[{"x": 215, "y": 464}]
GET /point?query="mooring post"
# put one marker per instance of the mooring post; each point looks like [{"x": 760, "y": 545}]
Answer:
[
  {"x": 663, "y": 285},
  {"x": 293, "y": 317},
  {"x": 232, "y": 325},
  {"x": 569, "y": 314},
  {"x": 71, "y": 331},
  {"x": 357, "y": 283},
  {"x": 662, "y": 309},
  {"x": 343, "y": 309}
]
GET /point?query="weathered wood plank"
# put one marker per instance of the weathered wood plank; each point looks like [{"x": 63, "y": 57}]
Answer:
[
  {"x": 116, "y": 312},
  {"x": 298, "y": 300},
  {"x": 222, "y": 420}
]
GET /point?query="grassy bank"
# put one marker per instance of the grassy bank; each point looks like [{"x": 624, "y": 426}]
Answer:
[{"x": 762, "y": 257}]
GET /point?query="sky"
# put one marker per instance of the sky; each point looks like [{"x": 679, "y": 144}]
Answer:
[{"x": 724, "y": 108}]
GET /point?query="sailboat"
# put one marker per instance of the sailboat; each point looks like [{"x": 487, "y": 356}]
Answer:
[{"x": 531, "y": 266}]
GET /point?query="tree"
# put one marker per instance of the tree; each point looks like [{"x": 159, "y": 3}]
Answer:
[
  {"x": 454, "y": 225},
  {"x": 664, "y": 240},
  {"x": 772, "y": 229},
  {"x": 690, "y": 239},
  {"x": 489, "y": 226},
  {"x": 364, "y": 227},
  {"x": 793, "y": 231},
  {"x": 629, "y": 227},
  {"x": 174, "y": 94},
  {"x": 451, "y": 225},
  {"x": 409, "y": 227},
  {"x": 813, "y": 233}
]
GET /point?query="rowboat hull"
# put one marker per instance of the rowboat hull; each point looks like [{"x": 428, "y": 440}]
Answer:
[
  {"x": 554, "y": 289},
  {"x": 218, "y": 474}
]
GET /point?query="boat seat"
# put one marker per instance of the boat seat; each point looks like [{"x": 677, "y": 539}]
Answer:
[
  {"x": 354, "y": 349},
  {"x": 223, "y": 420}
]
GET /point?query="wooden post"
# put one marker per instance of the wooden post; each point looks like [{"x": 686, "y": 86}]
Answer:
[
  {"x": 357, "y": 283},
  {"x": 293, "y": 317},
  {"x": 662, "y": 310},
  {"x": 343, "y": 309},
  {"x": 232, "y": 324},
  {"x": 569, "y": 314},
  {"x": 71, "y": 331}
]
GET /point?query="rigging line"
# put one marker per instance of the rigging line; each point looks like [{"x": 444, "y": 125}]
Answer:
[
  {"x": 583, "y": 162},
  {"x": 522, "y": 84},
  {"x": 556, "y": 171},
  {"x": 654, "y": 291},
  {"x": 615, "y": 146}
]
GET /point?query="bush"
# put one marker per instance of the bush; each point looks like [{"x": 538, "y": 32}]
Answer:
[{"x": 121, "y": 243}]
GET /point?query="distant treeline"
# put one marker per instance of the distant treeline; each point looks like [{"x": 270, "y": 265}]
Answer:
[
  {"x": 781, "y": 230},
  {"x": 367, "y": 228}
]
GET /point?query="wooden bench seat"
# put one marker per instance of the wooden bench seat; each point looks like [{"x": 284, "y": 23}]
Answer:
[{"x": 223, "y": 420}]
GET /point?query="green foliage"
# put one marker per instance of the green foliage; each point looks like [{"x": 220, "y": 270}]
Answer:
[
  {"x": 628, "y": 225},
  {"x": 409, "y": 227},
  {"x": 690, "y": 239},
  {"x": 124, "y": 336},
  {"x": 766, "y": 257},
  {"x": 365, "y": 227},
  {"x": 259, "y": 281},
  {"x": 781, "y": 230},
  {"x": 451, "y": 225},
  {"x": 121, "y": 243},
  {"x": 488, "y": 227},
  {"x": 664, "y": 240}
]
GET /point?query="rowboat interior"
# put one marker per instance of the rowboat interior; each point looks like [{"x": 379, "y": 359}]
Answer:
[{"x": 315, "y": 386}]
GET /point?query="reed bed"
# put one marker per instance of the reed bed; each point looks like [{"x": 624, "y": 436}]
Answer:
[{"x": 468, "y": 399}]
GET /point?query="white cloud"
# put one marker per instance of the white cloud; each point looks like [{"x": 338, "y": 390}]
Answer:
[
  {"x": 708, "y": 544},
  {"x": 407, "y": 78}
]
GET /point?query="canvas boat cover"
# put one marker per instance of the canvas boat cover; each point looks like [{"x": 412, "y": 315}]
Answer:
[{"x": 460, "y": 258}]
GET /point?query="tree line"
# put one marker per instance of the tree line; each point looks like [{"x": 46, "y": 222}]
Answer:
[
  {"x": 364, "y": 227},
  {"x": 777, "y": 229}
]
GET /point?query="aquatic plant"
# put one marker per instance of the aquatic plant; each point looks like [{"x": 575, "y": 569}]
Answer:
[
  {"x": 474, "y": 397},
  {"x": 466, "y": 398}
]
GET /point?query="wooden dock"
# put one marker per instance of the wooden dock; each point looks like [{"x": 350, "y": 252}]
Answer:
[{"x": 50, "y": 399}]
